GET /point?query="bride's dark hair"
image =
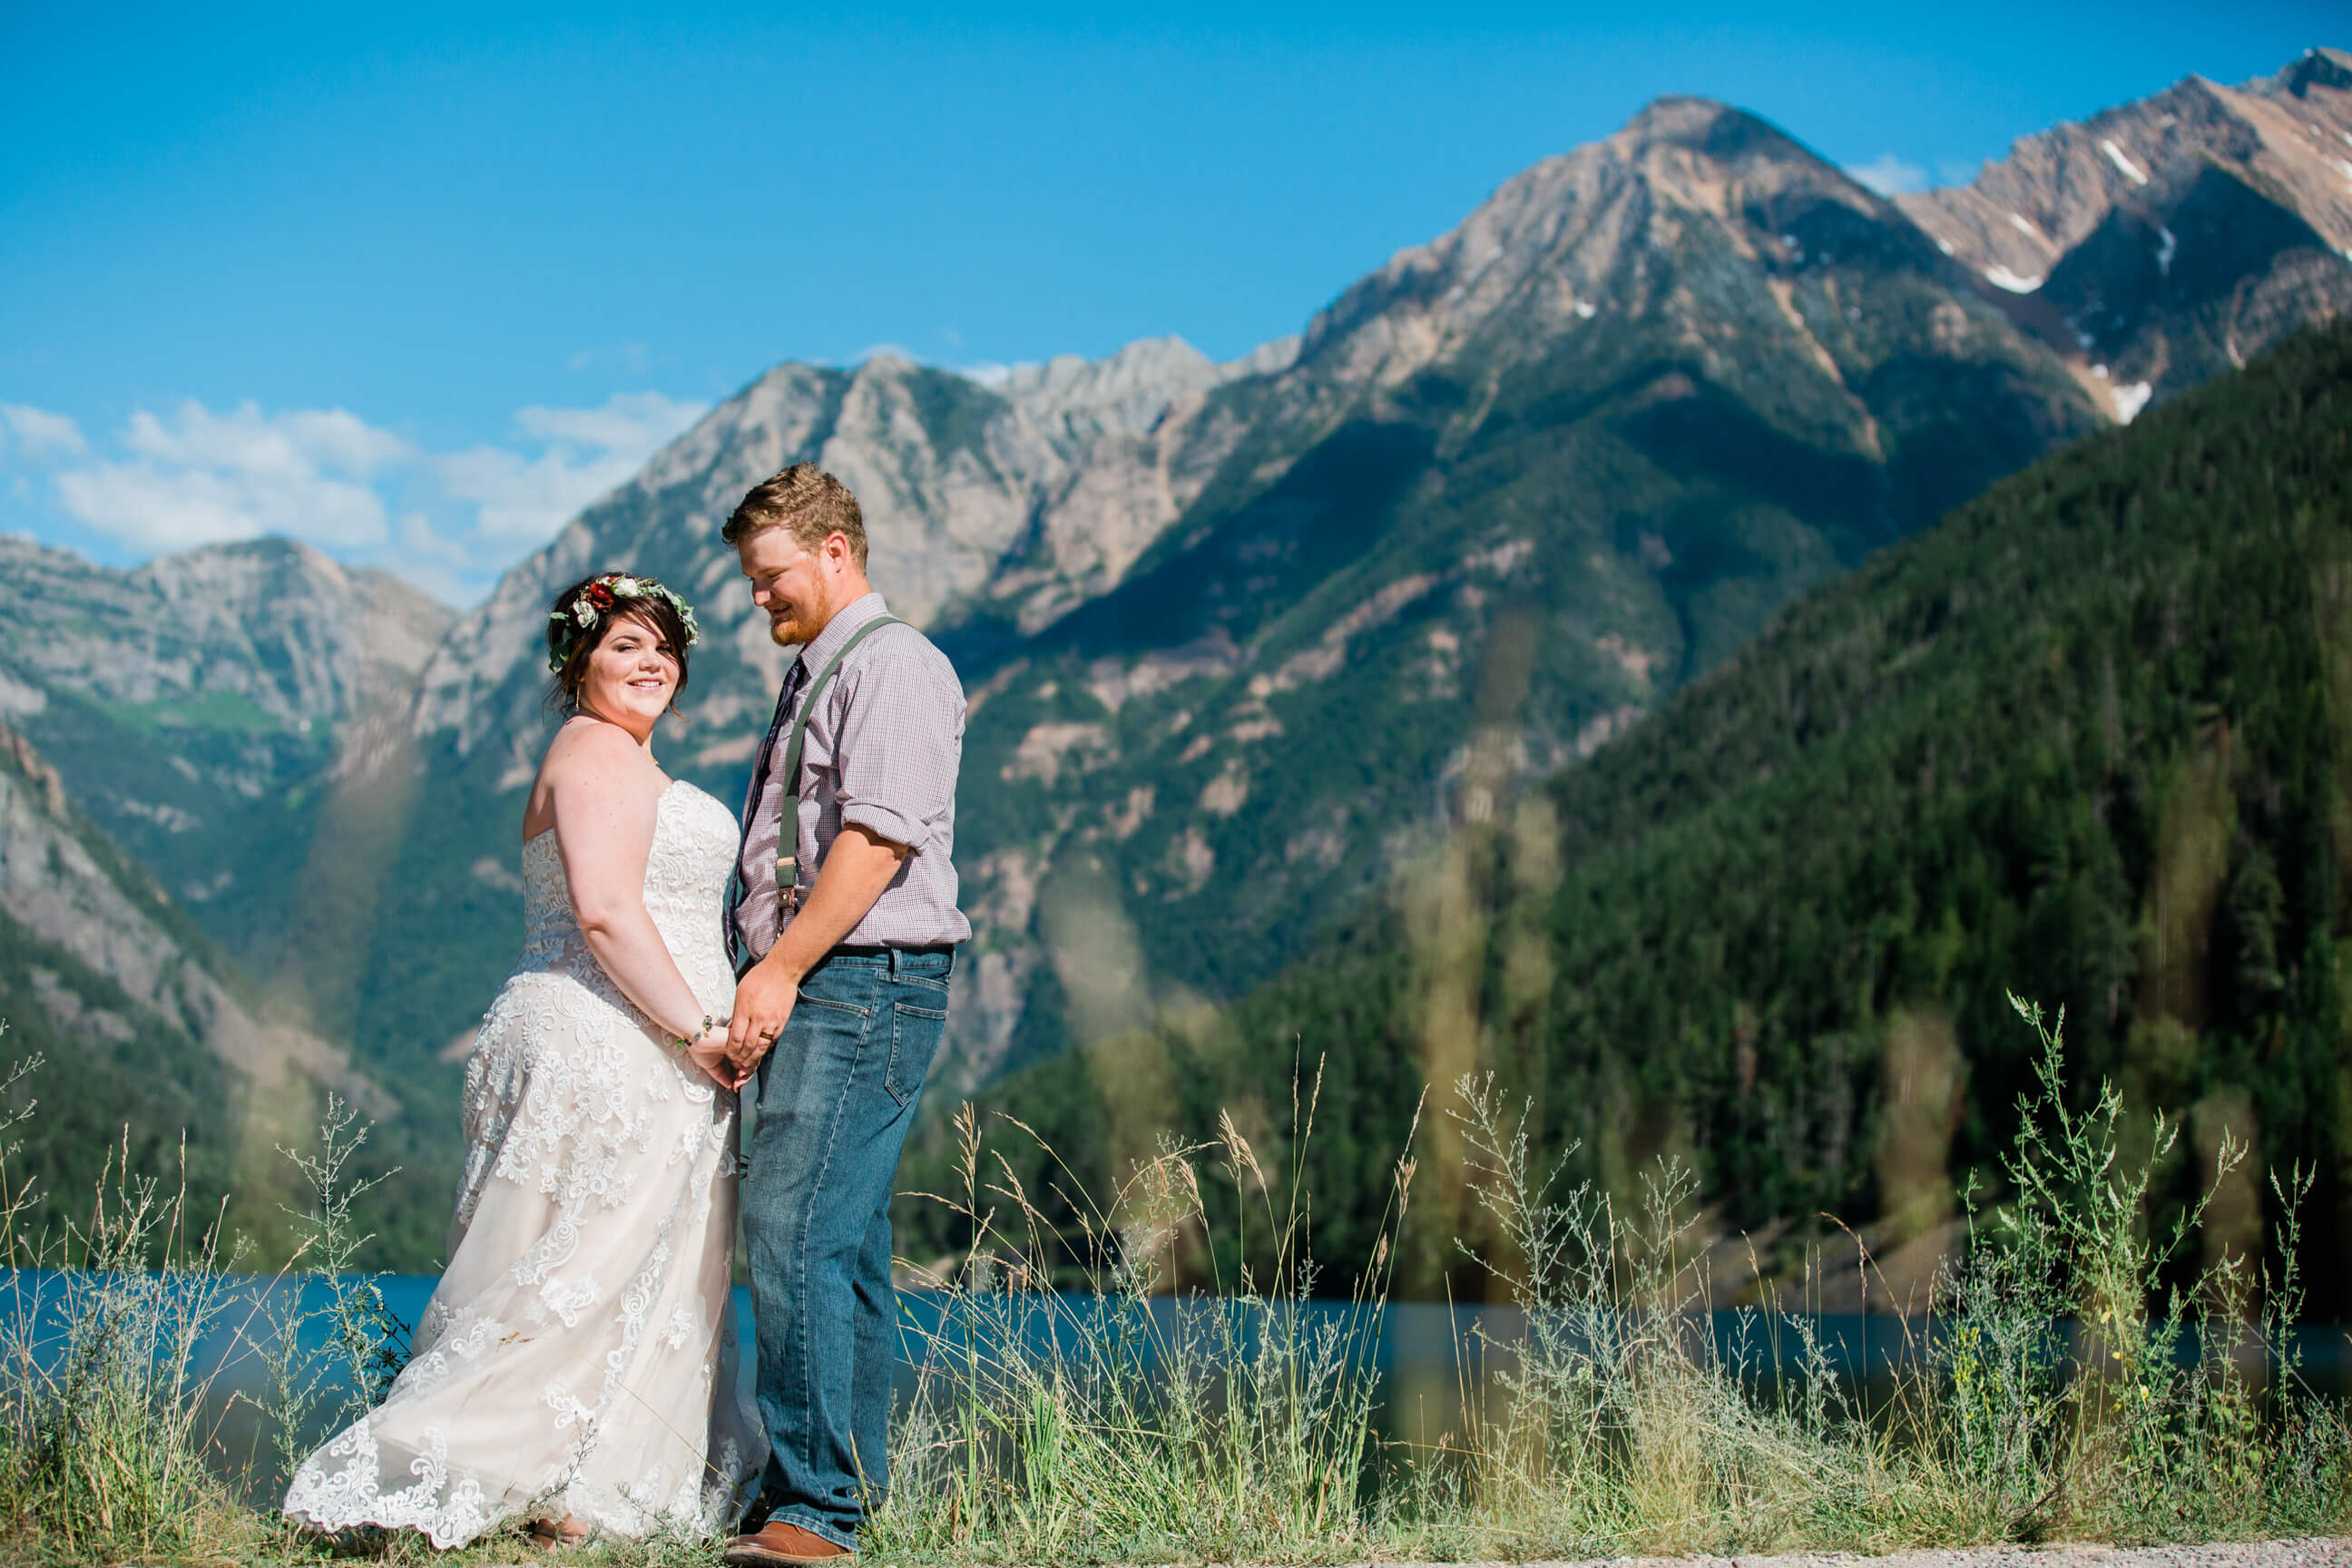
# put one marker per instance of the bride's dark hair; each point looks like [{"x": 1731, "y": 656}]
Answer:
[{"x": 570, "y": 644}]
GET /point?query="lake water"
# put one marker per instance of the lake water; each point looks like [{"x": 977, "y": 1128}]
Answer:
[{"x": 1428, "y": 1356}]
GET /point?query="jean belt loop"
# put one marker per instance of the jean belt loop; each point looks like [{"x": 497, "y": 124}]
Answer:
[{"x": 896, "y": 954}]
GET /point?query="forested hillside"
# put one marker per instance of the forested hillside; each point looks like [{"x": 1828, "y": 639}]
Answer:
[
  {"x": 198, "y": 760},
  {"x": 151, "y": 1048},
  {"x": 2089, "y": 739}
]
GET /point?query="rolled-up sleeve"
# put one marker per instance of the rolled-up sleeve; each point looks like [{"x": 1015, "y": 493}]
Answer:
[{"x": 901, "y": 741}]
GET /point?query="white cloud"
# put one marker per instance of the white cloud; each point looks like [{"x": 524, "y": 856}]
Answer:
[
  {"x": 990, "y": 375},
  {"x": 630, "y": 359},
  {"x": 40, "y": 434},
  {"x": 1889, "y": 176},
  {"x": 523, "y": 499},
  {"x": 149, "y": 509},
  {"x": 420, "y": 538},
  {"x": 443, "y": 567},
  {"x": 640, "y": 422},
  {"x": 196, "y": 476},
  {"x": 243, "y": 440}
]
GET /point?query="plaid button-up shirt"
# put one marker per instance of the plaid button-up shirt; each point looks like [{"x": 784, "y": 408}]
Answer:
[{"x": 882, "y": 749}]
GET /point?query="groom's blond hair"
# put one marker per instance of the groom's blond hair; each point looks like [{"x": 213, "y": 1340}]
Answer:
[{"x": 809, "y": 502}]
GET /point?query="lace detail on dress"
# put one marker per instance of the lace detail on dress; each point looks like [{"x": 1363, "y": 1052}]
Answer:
[{"x": 567, "y": 1362}]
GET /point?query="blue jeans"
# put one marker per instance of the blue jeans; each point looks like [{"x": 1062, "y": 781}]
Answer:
[{"x": 835, "y": 1098}]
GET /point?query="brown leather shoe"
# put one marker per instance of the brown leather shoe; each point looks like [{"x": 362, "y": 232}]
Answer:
[
  {"x": 778, "y": 1543},
  {"x": 553, "y": 1534}
]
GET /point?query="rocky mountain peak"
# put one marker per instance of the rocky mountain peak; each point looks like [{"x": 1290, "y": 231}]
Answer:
[
  {"x": 2161, "y": 241},
  {"x": 271, "y": 626},
  {"x": 1598, "y": 235},
  {"x": 1127, "y": 391},
  {"x": 1717, "y": 131},
  {"x": 2291, "y": 131},
  {"x": 281, "y": 588},
  {"x": 1674, "y": 116},
  {"x": 2322, "y": 68},
  {"x": 1032, "y": 488}
]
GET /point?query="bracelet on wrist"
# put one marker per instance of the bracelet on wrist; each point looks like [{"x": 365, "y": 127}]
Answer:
[{"x": 683, "y": 1041}]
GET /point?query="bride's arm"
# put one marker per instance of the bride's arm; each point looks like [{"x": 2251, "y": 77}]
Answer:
[{"x": 604, "y": 798}]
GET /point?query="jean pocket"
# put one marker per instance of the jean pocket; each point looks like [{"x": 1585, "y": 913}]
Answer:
[
  {"x": 835, "y": 1006},
  {"x": 914, "y": 1040}
]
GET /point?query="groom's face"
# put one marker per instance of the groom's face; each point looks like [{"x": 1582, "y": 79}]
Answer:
[{"x": 793, "y": 585}]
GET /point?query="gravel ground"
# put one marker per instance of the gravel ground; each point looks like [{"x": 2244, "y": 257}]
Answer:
[{"x": 2310, "y": 1552}]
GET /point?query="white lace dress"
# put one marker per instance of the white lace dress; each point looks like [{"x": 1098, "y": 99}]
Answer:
[{"x": 578, "y": 1357}]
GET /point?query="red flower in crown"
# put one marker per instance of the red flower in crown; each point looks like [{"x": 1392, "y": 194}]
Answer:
[{"x": 599, "y": 593}]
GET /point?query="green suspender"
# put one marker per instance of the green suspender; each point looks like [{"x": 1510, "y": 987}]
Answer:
[{"x": 787, "y": 874}]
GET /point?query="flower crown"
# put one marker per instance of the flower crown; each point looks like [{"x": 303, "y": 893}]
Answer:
[{"x": 599, "y": 598}]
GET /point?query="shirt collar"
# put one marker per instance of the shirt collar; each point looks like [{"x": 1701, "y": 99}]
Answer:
[{"x": 841, "y": 628}]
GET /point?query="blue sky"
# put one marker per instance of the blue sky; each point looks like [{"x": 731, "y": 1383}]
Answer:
[{"x": 416, "y": 284}]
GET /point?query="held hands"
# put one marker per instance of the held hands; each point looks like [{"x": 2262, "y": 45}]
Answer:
[
  {"x": 764, "y": 999},
  {"x": 708, "y": 1051}
]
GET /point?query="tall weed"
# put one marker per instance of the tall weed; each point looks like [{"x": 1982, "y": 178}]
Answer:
[
  {"x": 330, "y": 1347},
  {"x": 1126, "y": 1422},
  {"x": 121, "y": 1336},
  {"x": 106, "y": 1411},
  {"x": 2055, "y": 1390}
]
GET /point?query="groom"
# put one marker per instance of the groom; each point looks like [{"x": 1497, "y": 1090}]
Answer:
[{"x": 845, "y": 927}]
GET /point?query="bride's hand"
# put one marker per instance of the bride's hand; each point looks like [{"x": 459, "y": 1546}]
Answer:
[{"x": 709, "y": 1052}]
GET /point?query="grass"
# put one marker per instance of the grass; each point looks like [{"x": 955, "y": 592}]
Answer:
[{"x": 2056, "y": 1391}]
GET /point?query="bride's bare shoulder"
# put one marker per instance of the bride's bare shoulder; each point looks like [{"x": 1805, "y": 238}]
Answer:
[
  {"x": 590, "y": 745},
  {"x": 589, "y": 762}
]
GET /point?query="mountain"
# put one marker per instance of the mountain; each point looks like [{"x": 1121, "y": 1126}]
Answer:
[
  {"x": 1033, "y": 493},
  {"x": 145, "y": 1031},
  {"x": 1521, "y": 482},
  {"x": 1240, "y": 637},
  {"x": 2089, "y": 740},
  {"x": 2161, "y": 242},
  {"x": 1643, "y": 396},
  {"x": 208, "y": 756},
  {"x": 205, "y": 708},
  {"x": 1025, "y": 496}
]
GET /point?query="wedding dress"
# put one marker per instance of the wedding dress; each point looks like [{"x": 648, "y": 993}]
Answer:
[{"x": 578, "y": 1357}]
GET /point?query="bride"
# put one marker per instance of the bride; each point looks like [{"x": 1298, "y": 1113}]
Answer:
[{"x": 575, "y": 1367}]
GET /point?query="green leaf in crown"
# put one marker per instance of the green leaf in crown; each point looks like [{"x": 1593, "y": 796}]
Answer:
[{"x": 599, "y": 598}]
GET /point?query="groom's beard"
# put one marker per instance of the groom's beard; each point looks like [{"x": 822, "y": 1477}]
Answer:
[{"x": 800, "y": 626}]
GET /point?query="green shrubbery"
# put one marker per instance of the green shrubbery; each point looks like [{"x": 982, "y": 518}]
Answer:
[
  {"x": 2049, "y": 1394},
  {"x": 122, "y": 1330},
  {"x": 2062, "y": 1388}
]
